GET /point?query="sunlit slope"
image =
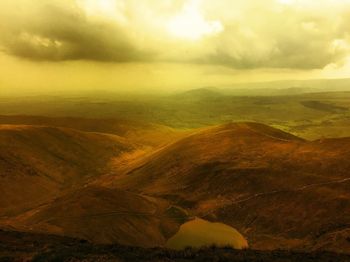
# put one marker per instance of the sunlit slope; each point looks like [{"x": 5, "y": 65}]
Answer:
[
  {"x": 200, "y": 161},
  {"x": 138, "y": 131},
  {"x": 277, "y": 189},
  {"x": 37, "y": 162},
  {"x": 103, "y": 215}
]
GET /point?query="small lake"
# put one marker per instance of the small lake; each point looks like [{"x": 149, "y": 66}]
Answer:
[{"x": 201, "y": 233}]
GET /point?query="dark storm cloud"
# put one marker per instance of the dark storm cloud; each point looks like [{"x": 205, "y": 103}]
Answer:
[{"x": 54, "y": 33}]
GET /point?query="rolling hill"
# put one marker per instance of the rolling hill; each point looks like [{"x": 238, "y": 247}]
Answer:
[
  {"x": 205, "y": 93},
  {"x": 37, "y": 163},
  {"x": 278, "y": 190},
  {"x": 140, "y": 132},
  {"x": 148, "y": 118},
  {"x": 105, "y": 216}
]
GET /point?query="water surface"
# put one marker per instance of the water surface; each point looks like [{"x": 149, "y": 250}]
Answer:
[{"x": 200, "y": 233}]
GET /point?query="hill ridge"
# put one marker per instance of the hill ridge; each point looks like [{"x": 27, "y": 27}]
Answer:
[{"x": 252, "y": 127}]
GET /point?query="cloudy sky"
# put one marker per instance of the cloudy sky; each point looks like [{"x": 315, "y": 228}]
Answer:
[{"x": 164, "y": 45}]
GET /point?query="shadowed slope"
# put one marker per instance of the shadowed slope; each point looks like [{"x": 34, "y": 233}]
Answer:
[
  {"x": 16, "y": 246},
  {"x": 103, "y": 215},
  {"x": 38, "y": 162}
]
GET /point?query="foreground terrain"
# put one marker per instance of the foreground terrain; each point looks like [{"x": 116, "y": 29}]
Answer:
[
  {"x": 112, "y": 181},
  {"x": 16, "y": 246}
]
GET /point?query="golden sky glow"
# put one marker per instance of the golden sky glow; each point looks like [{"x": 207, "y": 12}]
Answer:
[
  {"x": 191, "y": 24},
  {"x": 169, "y": 44}
]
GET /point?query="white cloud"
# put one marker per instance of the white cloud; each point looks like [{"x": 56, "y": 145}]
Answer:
[{"x": 191, "y": 24}]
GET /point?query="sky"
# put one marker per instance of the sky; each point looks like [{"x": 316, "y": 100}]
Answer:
[{"x": 166, "y": 45}]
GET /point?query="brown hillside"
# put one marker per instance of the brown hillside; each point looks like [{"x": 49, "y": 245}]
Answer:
[
  {"x": 139, "y": 132},
  {"x": 278, "y": 190},
  {"x": 103, "y": 215},
  {"x": 38, "y": 162}
]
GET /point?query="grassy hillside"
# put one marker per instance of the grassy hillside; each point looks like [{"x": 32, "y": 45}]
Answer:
[
  {"x": 103, "y": 215},
  {"x": 308, "y": 115},
  {"x": 38, "y": 162},
  {"x": 247, "y": 175},
  {"x": 278, "y": 190},
  {"x": 137, "y": 131}
]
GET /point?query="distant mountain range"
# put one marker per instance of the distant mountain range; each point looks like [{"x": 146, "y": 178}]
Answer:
[{"x": 288, "y": 87}]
